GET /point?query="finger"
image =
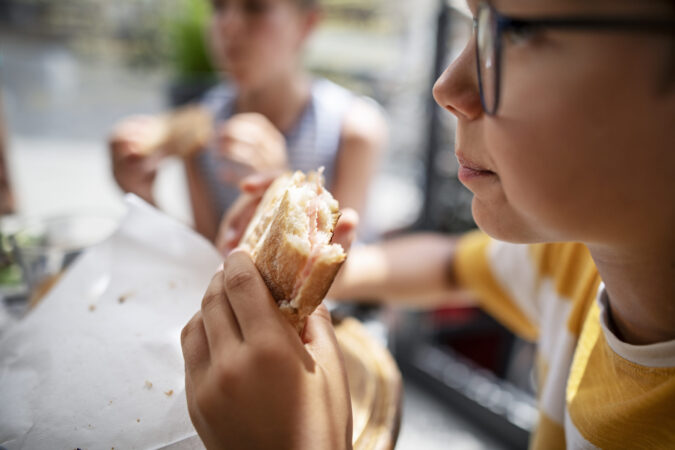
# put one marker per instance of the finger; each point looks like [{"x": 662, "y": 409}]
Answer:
[
  {"x": 345, "y": 230},
  {"x": 252, "y": 304},
  {"x": 227, "y": 240},
  {"x": 195, "y": 346},
  {"x": 220, "y": 325},
  {"x": 320, "y": 340},
  {"x": 127, "y": 151},
  {"x": 239, "y": 129},
  {"x": 258, "y": 183},
  {"x": 243, "y": 152},
  {"x": 235, "y": 223},
  {"x": 260, "y": 122}
]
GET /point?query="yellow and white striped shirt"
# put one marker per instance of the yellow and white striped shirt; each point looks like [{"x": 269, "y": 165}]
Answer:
[{"x": 594, "y": 391}]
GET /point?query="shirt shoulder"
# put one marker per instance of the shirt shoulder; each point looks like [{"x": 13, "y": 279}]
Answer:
[{"x": 619, "y": 393}]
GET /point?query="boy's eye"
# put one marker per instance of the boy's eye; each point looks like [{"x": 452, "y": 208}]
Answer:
[
  {"x": 251, "y": 7},
  {"x": 255, "y": 7},
  {"x": 521, "y": 35}
]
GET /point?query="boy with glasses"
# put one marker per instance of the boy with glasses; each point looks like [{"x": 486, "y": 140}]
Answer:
[{"x": 566, "y": 138}]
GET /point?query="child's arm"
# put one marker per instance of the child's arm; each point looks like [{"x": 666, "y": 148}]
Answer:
[
  {"x": 363, "y": 138},
  {"x": 414, "y": 270}
]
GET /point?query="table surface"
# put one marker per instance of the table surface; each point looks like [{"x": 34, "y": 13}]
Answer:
[{"x": 430, "y": 424}]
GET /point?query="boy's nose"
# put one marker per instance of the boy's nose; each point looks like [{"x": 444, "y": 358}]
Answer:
[{"x": 457, "y": 88}]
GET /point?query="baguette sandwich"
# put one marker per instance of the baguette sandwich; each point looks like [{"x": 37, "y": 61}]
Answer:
[{"x": 289, "y": 239}]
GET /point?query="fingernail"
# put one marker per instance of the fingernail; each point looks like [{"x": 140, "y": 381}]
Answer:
[
  {"x": 234, "y": 250},
  {"x": 230, "y": 236},
  {"x": 250, "y": 181}
]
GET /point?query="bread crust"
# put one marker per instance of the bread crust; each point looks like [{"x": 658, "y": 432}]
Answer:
[
  {"x": 312, "y": 292},
  {"x": 279, "y": 259}
]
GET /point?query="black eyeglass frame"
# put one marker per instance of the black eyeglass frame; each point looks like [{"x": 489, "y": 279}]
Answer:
[{"x": 506, "y": 23}]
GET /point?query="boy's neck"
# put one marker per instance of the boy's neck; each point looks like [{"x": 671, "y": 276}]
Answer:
[
  {"x": 641, "y": 289},
  {"x": 281, "y": 101}
]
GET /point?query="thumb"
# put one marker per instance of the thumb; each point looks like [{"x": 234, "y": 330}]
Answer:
[
  {"x": 319, "y": 339},
  {"x": 345, "y": 230},
  {"x": 258, "y": 183}
]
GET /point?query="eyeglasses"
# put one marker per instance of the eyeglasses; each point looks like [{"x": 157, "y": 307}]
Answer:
[{"x": 490, "y": 25}]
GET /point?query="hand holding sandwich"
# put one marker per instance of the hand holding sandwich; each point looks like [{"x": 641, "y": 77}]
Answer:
[
  {"x": 250, "y": 381},
  {"x": 239, "y": 215}
]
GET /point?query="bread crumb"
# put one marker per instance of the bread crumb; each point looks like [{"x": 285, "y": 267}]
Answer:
[
  {"x": 92, "y": 308},
  {"x": 172, "y": 285},
  {"x": 110, "y": 402},
  {"x": 148, "y": 384},
  {"x": 138, "y": 420},
  {"x": 123, "y": 298},
  {"x": 169, "y": 393}
]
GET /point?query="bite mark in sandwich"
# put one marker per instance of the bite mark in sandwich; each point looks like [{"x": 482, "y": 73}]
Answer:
[{"x": 289, "y": 239}]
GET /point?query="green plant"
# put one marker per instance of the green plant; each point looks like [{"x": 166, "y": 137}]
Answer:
[{"x": 186, "y": 35}]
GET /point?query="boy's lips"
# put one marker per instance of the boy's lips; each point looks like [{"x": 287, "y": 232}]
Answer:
[{"x": 469, "y": 170}]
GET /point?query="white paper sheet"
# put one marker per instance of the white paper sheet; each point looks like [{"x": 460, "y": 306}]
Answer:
[{"x": 98, "y": 364}]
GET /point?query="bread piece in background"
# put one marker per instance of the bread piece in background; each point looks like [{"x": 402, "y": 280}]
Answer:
[
  {"x": 190, "y": 130},
  {"x": 181, "y": 132},
  {"x": 289, "y": 239}
]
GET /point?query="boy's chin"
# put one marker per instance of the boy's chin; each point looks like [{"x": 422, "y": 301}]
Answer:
[{"x": 503, "y": 224}]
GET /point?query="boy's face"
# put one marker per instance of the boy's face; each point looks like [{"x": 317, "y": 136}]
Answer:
[
  {"x": 255, "y": 40},
  {"x": 582, "y": 146}
]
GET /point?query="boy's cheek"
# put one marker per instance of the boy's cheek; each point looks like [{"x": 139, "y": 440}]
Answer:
[{"x": 545, "y": 180}]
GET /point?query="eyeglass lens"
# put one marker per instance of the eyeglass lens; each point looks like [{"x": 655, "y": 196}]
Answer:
[{"x": 487, "y": 57}]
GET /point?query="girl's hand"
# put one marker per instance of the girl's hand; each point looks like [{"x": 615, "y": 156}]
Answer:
[
  {"x": 251, "y": 382},
  {"x": 249, "y": 144},
  {"x": 135, "y": 146},
  {"x": 237, "y": 217}
]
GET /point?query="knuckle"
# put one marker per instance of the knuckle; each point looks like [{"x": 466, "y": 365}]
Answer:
[
  {"x": 210, "y": 301},
  {"x": 188, "y": 329},
  {"x": 215, "y": 287},
  {"x": 238, "y": 280},
  {"x": 268, "y": 356},
  {"x": 225, "y": 378},
  {"x": 207, "y": 403}
]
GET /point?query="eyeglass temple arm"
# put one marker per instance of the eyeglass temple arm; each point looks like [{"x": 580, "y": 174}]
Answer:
[{"x": 648, "y": 25}]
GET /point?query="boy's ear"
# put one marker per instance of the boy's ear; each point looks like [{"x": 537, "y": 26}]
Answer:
[{"x": 311, "y": 22}]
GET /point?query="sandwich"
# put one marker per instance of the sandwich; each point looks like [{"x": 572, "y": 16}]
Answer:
[
  {"x": 190, "y": 130},
  {"x": 289, "y": 239},
  {"x": 182, "y": 132}
]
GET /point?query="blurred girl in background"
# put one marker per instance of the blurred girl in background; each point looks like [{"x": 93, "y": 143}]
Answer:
[{"x": 269, "y": 115}]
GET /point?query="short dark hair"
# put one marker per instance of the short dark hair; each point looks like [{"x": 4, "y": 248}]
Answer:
[{"x": 308, "y": 3}]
